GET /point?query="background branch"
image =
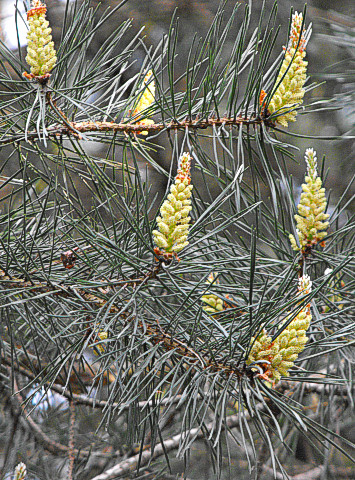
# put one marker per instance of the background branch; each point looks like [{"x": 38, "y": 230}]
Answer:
[{"x": 173, "y": 443}]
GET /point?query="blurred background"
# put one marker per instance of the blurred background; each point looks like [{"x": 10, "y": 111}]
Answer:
[{"x": 331, "y": 57}]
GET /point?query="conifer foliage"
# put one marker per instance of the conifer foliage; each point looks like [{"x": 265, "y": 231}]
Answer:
[{"x": 212, "y": 312}]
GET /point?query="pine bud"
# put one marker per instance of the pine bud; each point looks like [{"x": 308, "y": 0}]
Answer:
[
  {"x": 173, "y": 222},
  {"x": 41, "y": 55},
  {"x": 214, "y": 303},
  {"x": 98, "y": 348},
  {"x": 146, "y": 98},
  {"x": 280, "y": 355},
  {"x": 292, "y": 75},
  {"x": 310, "y": 219}
]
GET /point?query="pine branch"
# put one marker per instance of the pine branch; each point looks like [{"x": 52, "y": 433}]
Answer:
[
  {"x": 158, "y": 336},
  {"x": 76, "y": 129},
  {"x": 156, "y": 343},
  {"x": 67, "y": 291},
  {"x": 85, "y": 400}
]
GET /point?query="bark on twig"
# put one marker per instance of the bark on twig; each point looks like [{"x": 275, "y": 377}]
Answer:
[{"x": 77, "y": 128}]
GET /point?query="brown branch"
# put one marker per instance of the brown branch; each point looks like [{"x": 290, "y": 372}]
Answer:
[
  {"x": 158, "y": 335},
  {"x": 78, "y": 128},
  {"x": 85, "y": 127},
  {"x": 60, "y": 113}
]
